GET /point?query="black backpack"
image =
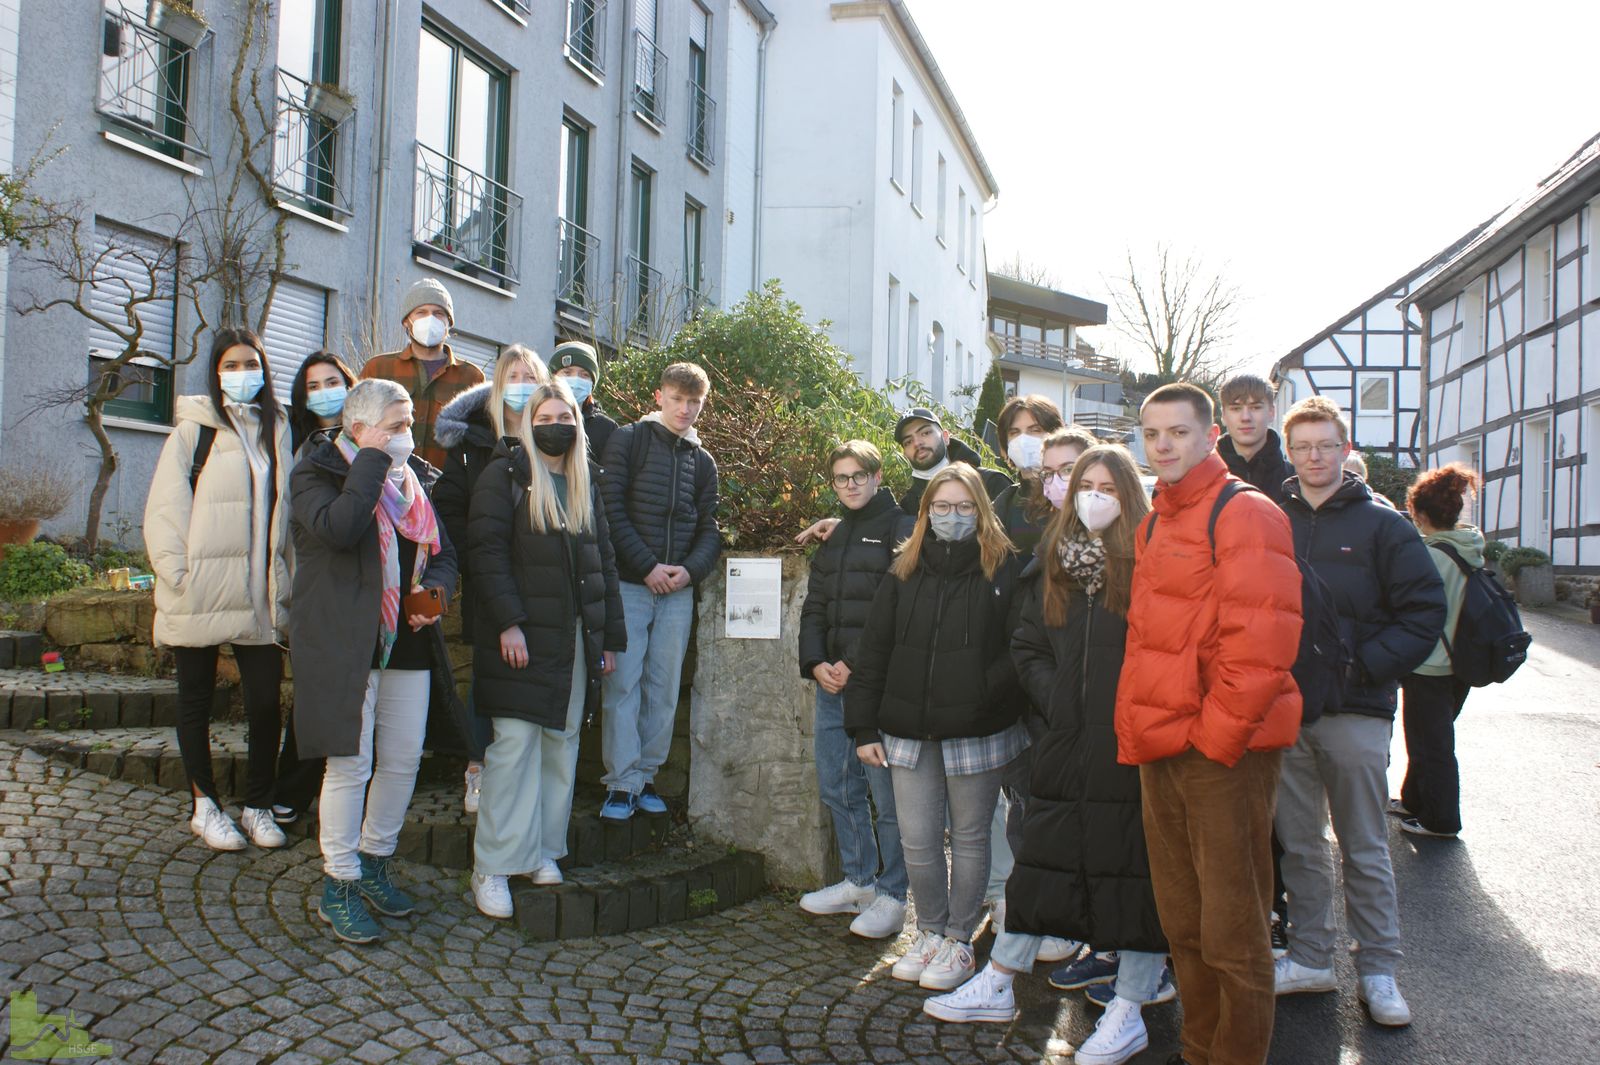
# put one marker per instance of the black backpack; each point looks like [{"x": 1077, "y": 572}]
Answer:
[
  {"x": 1490, "y": 643},
  {"x": 1325, "y": 656}
]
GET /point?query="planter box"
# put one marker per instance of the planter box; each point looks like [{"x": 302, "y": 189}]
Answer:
[
  {"x": 183, "y": 26},
  {"x": 1536, "y": 585},
  {"x": 331, "y": 104}
]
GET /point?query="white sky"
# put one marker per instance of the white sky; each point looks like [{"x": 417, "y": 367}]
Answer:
[{"x": 1314, "y": 152}]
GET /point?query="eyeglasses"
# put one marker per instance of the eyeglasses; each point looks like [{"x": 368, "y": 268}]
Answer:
[
  {"x": 966, "y": 509},
  {"x": 845, "y": 480},
  {"x": 1319, "y": 450},
  {"x": 1062, "y": 472}
]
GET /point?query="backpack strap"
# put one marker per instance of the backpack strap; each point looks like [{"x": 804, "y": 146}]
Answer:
[
  {"x": 1467, "y": 569},
  {"x": 202, "y": 451},
  {"x": 1229, "y": 490}
]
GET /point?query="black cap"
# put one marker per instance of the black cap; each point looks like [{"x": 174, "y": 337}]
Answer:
[{"x": 916, "y": 414}]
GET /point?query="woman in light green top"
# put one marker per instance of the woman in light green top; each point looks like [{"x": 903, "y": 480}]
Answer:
[{"x": 1430, "y": 798}]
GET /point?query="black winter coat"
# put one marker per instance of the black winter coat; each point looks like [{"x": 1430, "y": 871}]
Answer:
[
  {"x": 338, "y": 590},
  {"x": 994, "y": 481},
  {"x": 1388, "y": 592},
  {"x": 1267, "y": 469},
  {"x": 934, "y": 661},
  {"x": 1082, "y": 871},
  {"x": 597, "y": 428},
  {"x": 666, "y": 511},
  {"x": 466, "y": 433},
  {"x": 845, "y": 574},
  {"x": 526, "y": 578}
]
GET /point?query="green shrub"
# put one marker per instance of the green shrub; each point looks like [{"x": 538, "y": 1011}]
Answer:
[
  {"x": 114, "y": 557},
  {"x": 1520, "y": 557},
  {"x": 33, "y": 571},
  {"x": 1388, "y": 478},
  {"x": 1494, "y": 550},
  {"x": 990, "y": 399}
]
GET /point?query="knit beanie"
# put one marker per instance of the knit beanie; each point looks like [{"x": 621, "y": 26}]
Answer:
[
  {"x": 575, "y": 353},
  {"x": 427, "y": 290}
]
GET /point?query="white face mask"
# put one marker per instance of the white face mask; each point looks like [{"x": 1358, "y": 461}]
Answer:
[
  {"x": 429, "y": 332},
  {"x": 399, "y": 448},
  {"x": 1026, "y": 452},
  {"x": 1097, "y": 510}
]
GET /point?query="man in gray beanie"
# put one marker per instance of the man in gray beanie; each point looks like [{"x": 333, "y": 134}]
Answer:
[{"x": 426, "y": 367}]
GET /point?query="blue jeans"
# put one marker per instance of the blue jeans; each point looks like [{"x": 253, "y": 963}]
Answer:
[
  {"x": 843, "y": 782},
  {"x": 641, "y": 694}
]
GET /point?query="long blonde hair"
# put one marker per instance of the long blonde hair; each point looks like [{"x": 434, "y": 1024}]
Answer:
[
  {"x": 1117, "y": 538},
  {"x": 544, "y": 502},
  {"x": 512, "y": 355},
  {"x": 993, "y": 545}
]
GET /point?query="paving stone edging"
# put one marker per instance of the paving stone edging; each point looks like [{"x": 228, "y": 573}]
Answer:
[
  {"x": 111, "y": 700},
  {"x": 20, "y": 649}
]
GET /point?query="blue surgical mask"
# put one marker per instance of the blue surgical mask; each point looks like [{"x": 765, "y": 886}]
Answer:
[
  {"x": 242, "y": 386},
  {"x": 517, "y": 394},
  {"x": 580, "y": 387},
  {"x": 953, "y": 528},
  {"x": 326, "y": 403}
]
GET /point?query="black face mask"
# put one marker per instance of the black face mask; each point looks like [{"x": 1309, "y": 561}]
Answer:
[{"x": 554, "y": 439}]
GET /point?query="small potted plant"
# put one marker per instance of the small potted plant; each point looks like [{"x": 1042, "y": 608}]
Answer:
[
  {"x": 29, "y": 494},
  {"x": 1532, "y": 573},
  {"x": 177, "y": 19},
  {"x": 330, "y": 102}
]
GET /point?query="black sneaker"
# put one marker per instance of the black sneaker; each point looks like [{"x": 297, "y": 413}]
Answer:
[{"x": 1280, "y": 937}]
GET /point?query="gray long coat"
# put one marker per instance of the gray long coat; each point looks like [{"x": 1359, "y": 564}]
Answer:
[{"x": 338, "y": 589}]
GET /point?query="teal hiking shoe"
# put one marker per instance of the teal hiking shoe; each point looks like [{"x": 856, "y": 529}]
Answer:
[
  {"x": 341, "y": 907},
  {"x": 379, "y": 890}
]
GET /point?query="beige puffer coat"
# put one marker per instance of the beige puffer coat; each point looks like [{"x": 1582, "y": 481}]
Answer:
[{"x": 200, "y": 543}]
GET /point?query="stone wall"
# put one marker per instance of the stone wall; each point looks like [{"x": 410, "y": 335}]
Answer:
[{"x": 753, "y": 782}]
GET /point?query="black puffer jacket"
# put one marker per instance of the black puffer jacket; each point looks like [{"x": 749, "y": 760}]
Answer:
[
  {"x": 845, "y": 574},
  {"x": 1385, "y": 585},
  {"x": 994, "y": 481},
  {"x": 934, "y": 661},
  {"x": 1082, "y": 871},
  {"x": 597, "y": 428},
  {"x": 527, "y": 578},
  {"x": 665, "y": 512},
  {"x": 1267, "y": 469}
]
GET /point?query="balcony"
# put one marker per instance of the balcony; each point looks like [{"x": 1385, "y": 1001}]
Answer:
[
  {"x": 649, "y": 80},
  {"x": 586, "y": 36},
  {"x": 465, "y": 220},
  {"x": 1027, "y": 348},
  {"x": 145, "y": 77},
  {"x": 577, "y": 249},
  {"x": 641, "y": 299},
  {"x": 702, "y": 124},
  {"x": 1101, "y": 423},
  {"x": 307, "y": 161}
]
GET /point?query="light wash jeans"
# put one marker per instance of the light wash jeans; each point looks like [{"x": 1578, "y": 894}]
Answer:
[
  {"x": 948, "y": 897},
  {"x": 844, "y": 782},
  {"x": 1005, "y": 830},
  {"x": 1138, "y": 973},
  {"x": 641, "y": 694},
  {"x": 528, "y": 775},
  {"x": 356, "y": 815}
]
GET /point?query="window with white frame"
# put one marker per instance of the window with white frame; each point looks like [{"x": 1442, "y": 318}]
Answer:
[
  {"x": 1591, "y": 257},
  {"x": 1374, "y": 393},
  {"x": 1474, "y": 321},
  {"x": 972, "y": 244},
  {"x": 135, "y": 278},
  {"x": 897, "y": 133},
  {"x": 914, "y": 342},
  {"x": 1591, "y": 467},
  {"x": 941, "y": 207},
  {"x": 1539, "y": 280},
  {"x": 916, "y": 161},
  {"x": 961, "y": 229},
  {"x": 892, "y": 362},
  {"x": 1472, "y": 455}
]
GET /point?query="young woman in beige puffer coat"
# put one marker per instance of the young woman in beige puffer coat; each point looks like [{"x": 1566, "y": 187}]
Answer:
[{"x": 216, "y": 527}]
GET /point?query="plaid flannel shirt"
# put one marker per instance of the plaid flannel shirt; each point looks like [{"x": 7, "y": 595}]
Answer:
[
  {"x": 428, "y": 396},
  {"x": 963, "y": 756}
]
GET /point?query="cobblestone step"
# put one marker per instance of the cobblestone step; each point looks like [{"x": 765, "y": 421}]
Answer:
[
  {"x": 85, "y": 700},
  {"x": 20, "y": 649}
]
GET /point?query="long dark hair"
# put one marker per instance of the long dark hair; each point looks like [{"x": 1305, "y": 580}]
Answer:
[
  {"x": 302, "y": 423},
  {"x": 266, "y": 402}
]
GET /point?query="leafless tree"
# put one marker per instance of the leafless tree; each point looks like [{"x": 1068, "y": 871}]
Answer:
[
  {"x": 1031, "y": 273},
  {"x": 1180, "y": 313}
]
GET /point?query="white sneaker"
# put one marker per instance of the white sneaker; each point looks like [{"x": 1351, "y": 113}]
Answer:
[
  {"x": 1054, "y": 948},
  {"x": 492, "y": 894},
  {"x": 262, "y": 828},
  {"x": 950, "y": 968},
  {"x": 1118, "y": 1035},
  {"x": 1289, "y": 977},
  {"x": 215, "y": 828},
  {"x": 1384, "y": 1001},
  {"x": 474, "y": 786},
  {"x": 547, "y": 873},
  {"x": 922, "y": 951},
  {"x": 986, "y": 997},
  {"x": 884, "y": 918},
  {"x": 843, "y": 897}
]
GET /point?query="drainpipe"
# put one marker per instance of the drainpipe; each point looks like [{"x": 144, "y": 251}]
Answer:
[
  {"x": 391, "y": 18},
  {"x": 769, "y": 22},
  {"x": 624, "y": 172}
]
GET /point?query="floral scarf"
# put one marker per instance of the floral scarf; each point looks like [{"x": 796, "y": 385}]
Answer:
[
  {"x": 1084, "y": 559},
  {"x": 404, "y": 508}
]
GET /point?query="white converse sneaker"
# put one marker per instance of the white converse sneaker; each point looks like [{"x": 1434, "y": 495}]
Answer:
[
  {"x": 843, "y": 897},
  {"x": 215, "y": 828},
  {"x": 1055, "y": 949},
  {"x": 492, "y": 895},
  {"x": 986, "y": 997},
  {"x": 884, "y": 918},
  {"x": 1384, "y": 1001},
  {"x": 547, "y": 873},
  {"x": 922, "y": 951},
  {"x": 1118, "y": 1035},
  {"x": 950, "y": 968},
  {"x": 1289, "y": 977},
  {"x": 262, "y": 828},
  {"x": 469, "y": 801}
]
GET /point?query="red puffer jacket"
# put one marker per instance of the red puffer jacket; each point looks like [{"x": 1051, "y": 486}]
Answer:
[{"x": 1210, "y": 646}]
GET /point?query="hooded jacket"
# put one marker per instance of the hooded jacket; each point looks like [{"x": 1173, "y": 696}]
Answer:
[
  {"x": 201, "y": 543},
  {"x": 994, "y": 481},
  {"x": 665, "y": 512},
  {"x": 845, "y": 574},
  {"x": 1266, "y": 470},
  {"x": 1468, "y": 543},
  {"x": 1210, "y": 646},
  {"x": 1387, "y": 590}
]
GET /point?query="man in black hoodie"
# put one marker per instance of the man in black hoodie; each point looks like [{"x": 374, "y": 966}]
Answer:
[
  {"x": 927, "y": 445},
  {"x": 1251, "y": 447}
]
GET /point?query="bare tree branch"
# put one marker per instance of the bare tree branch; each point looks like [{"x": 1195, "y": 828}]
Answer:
[
  {"x": 1030, "y": 273},
  {"x": 1179, "y": 313}
]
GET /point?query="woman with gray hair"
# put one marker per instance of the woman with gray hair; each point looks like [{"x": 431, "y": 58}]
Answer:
[{"x": 365, "y": 644}]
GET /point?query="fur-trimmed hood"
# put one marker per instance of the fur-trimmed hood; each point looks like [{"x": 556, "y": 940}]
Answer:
[{"x": 467, "y": 411}]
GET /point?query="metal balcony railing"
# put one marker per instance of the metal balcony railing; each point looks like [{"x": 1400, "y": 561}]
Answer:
[
  {"x": 586, "y": 35},
  {"x": 577, "y": 250},
  {"x": 702, "y": 124},
  {"x": 144, "y": 83},
  {"x": 307, "y": 164},
  {"x": 1113, "y": 425},
  {"x": 465, "y": 219},
  {"x": 1038, "y": 349},
  {"x": 641, "y": 298},
  {"x": 649, "y": 79}
]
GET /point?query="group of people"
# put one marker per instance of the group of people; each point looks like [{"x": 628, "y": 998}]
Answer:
[
  {"x": 1139, "y": 716},
  {"x": 342, "y": 528}
]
